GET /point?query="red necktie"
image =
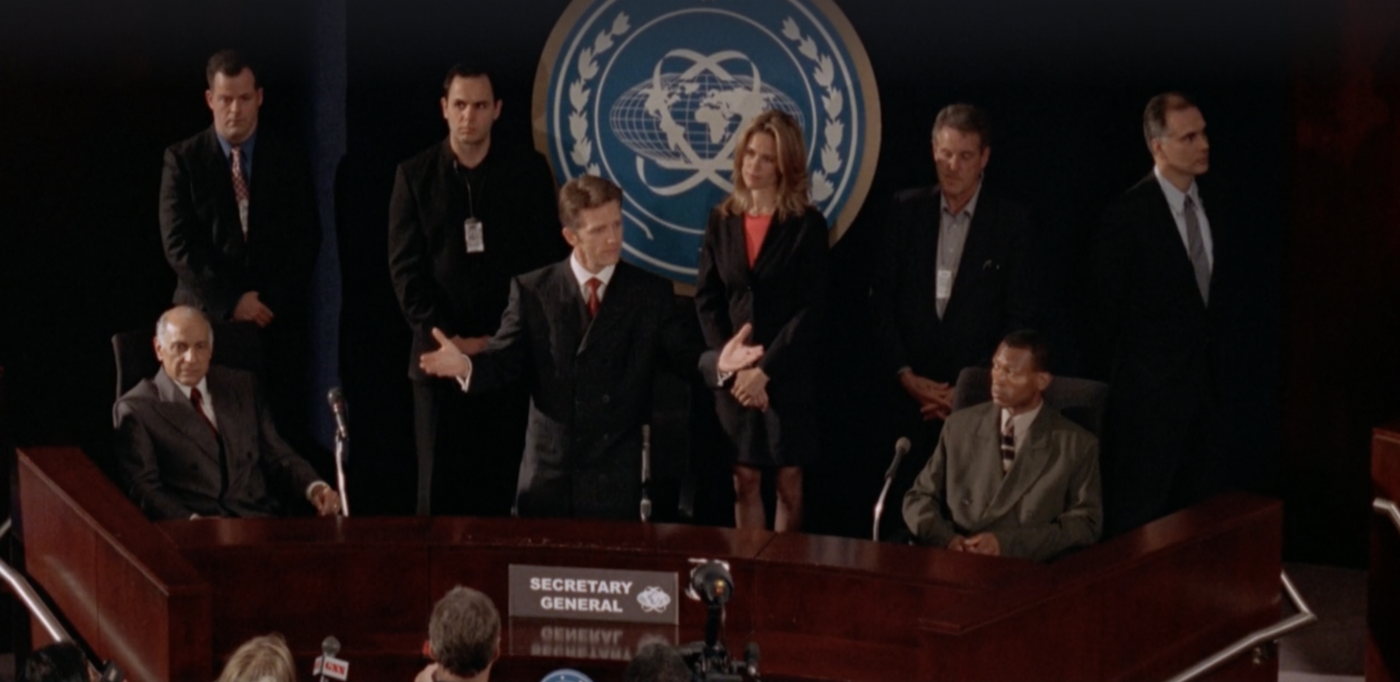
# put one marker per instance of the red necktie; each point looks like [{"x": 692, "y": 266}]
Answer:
[
  {"x": 198, "y": 401},
  {"x": 593, "y": 283},
  {"x": 240, "y": 187}
]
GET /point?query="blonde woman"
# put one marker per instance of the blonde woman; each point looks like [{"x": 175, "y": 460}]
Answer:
[
  {"x": 764, "y": 262},
  {"x": 261, "y": 659}
]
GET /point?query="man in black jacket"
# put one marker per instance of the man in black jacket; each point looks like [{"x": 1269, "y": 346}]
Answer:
[{"x": 465, "y": 217}]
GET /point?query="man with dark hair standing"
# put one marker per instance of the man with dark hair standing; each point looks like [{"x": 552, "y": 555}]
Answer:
[
  {"x": 465, "y": 217},
  {"x": 587, "y": 336},
  {"x": 464, "y": 638},
  {"x": 239, "y": 225},
  {"x": 1010, "y": 477},
  {"x": 1158, "y": 318},
  {"x": 954, "y": 278}
]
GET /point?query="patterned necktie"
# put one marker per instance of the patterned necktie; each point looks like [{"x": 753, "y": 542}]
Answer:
[
  {"x": 593, "y": 283},
  {"x": 240, "y": 186},
  {"x": 1008, "y": 445},
  {"x": 1196, "y": 249},
  {"x": 198, "y": 401}
]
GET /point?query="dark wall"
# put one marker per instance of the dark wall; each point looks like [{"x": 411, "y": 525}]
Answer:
[{"x": 98, "y": 89}]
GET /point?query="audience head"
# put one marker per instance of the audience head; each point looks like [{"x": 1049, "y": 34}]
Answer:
[
  {"x": 464, "y": 634},
  {"x": 961, "y": 149},
  {"x": 469, "y": 105},
  {"x": 590, "y": 209},
  {"x": 60, "y": 662},
  {"x": 657, "y": 663},
  {"x": 233, "y": 95},
  {"x": 1020, "y": 371},
  {"x": 1176, "y": 136},
  {"x": 261, "y": 659},
  {"x": 184, "y": 343},
  {"x": 771, "y": 157}
]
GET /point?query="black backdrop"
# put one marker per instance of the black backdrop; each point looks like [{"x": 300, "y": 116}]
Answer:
[{"x": 95, "y": 90}]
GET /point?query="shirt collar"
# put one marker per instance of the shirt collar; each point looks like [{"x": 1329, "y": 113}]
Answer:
[
  {"x": 1175, "y": 197},
  {"x": 970, "y": 209},
  {"x": 246, "y": 147},
  {"x": 203, "y": 387},
  {"x": 583, "y": 275},
  {"x": 1024, "y": 420}
]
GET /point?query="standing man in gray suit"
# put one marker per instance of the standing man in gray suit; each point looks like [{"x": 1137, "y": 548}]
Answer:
[
  {"x": 198, "y": 441},
  {"x": 1010, "y": 477}
]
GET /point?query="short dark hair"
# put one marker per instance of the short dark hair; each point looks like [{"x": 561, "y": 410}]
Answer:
[
  {"x": 61, "y": 662},
  {"x": 657, "y": 662},
  {"x": 1154, "y": 117},
  {"x": 584, "y": 192},
  {"x": 460, "y": 70},
  {"x": 230, "y": 63},
  {"x": 966, "y": 119},
  {"x": 464, "y": 631},
  {"x": 1033, "y": 341}
]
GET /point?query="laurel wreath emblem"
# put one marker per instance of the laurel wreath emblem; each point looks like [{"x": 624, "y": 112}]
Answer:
[
  {"x": 579, "y": 95},
  {"x": 833, "y": 102}
]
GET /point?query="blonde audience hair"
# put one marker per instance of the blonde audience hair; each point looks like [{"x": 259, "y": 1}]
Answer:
[
  {"x": 793, "y": 189},
  {"x": 261, "y": 659}
]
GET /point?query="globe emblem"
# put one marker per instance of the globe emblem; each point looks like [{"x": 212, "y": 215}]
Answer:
[
  {"x": 654, "y": 600},
  {"x": 688, "y": 121}
]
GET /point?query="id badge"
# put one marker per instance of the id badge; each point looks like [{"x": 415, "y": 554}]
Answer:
[
  {"x": 945, "y": 283},
  {"x": 475, "y": 236}
]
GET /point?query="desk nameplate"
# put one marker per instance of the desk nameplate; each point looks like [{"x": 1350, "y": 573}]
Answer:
[{"x": 594, "y": 594}]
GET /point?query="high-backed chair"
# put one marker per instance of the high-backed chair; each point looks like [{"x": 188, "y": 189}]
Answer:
[
  {"x": 236, "y": 344},
  {"x": 1079, "y": 400}
]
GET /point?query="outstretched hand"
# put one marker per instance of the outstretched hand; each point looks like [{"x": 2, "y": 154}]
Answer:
[
  {"x": 447, "y": 361},
  {"x": 737, "y": 354}
]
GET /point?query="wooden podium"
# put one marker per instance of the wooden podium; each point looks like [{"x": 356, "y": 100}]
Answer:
[{"x": 171, "y": 601}]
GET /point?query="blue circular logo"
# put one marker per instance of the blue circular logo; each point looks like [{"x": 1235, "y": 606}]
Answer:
[
  {"x": 566, "y": 675},
  {"x": 652, "y": 95}
]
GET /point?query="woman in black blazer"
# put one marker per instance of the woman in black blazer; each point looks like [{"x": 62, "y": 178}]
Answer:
[{"x": 764, "y": 263}]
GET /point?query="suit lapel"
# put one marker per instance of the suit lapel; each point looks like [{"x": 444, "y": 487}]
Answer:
[
  {"x": 926, "y": 258},
  {"x": 566, "y": 303},
  {"x": 977, "y": 250},
  {"x": 612, "y": 309},
  {"x": 1031, "y": 461},
  {"x": 176, "y": 409},
  {"x": 228, "y": 229}
]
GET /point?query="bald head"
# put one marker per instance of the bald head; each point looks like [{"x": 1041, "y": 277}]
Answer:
[{"x": 184, "y": 343}]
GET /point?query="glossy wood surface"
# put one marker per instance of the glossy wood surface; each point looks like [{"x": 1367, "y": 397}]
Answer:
[
  {"x": 1142, "y": 606},
  {"x": 1383, "y": 580}
]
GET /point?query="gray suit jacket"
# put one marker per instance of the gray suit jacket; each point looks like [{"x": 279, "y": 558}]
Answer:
[
  {"x": 169, "y": 461},
  {"x": 1049, "y": 502}
]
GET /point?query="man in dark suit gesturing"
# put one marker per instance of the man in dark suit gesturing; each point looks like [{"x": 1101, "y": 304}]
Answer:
[
  {"x": 1154, "y": 268},
  {"x": 197, "y": 440},
  {"x": 587, "y": 336},
  {"x": 953, "y": 281},
  {"x": 239, "y": 225}
]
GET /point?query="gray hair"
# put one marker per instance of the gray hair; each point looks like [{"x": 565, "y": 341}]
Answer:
[
  {"x": 168, "y": 317},
  {"x": 966, "y": 119},
  {"x": 464, "y": 631},
  {"x": 1154, "y": 118}
]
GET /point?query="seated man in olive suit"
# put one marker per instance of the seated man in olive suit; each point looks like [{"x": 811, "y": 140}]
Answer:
[
  {"x": 198, "y": 441},
  {"x": 1010, "y": 477}
]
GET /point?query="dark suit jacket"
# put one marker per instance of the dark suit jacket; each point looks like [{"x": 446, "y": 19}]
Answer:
[
  {"x": 1155, "y": 342},
  {"x": 168, "y": 459},
  {"x": 782, "y": 296},
  {"x": 993, "y": 293},
  {"x": 590, "y": 384},
  {"x": 203, "y": 237},
  {"x": 1046, "y": 504},
  {"x": 438, "y": 283}
]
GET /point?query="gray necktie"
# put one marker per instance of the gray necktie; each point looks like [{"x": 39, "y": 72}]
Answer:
[{"x": 1196, "y": 249}]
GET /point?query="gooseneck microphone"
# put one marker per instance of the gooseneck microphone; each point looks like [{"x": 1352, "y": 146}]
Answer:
[
  {"x": 336, "y": 399},
  {"x": 901, "y": 448}
]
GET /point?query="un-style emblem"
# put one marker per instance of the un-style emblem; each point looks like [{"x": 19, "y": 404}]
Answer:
[{"x": 652, "y": 95}]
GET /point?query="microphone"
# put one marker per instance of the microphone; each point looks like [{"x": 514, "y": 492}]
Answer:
[
  {"x": 337, "y": 403},
  {"x": 901, "y": 448},
  {"x": 710, "y": 582},
  {"x": 751, "y": 659},
  {"x": 646, "y": 473},
  {"x": 327, "y": 665}
]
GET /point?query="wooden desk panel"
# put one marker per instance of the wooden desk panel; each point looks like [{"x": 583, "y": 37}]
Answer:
[{"x": 1145, "y": 605}]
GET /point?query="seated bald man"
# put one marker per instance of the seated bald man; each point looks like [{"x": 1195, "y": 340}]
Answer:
[
  {"x": 198, "y": 441},
  {"x": 1010, "y": 477}
]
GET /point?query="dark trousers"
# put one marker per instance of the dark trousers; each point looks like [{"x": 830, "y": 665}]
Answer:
[{"x": 469, "y": 448}]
